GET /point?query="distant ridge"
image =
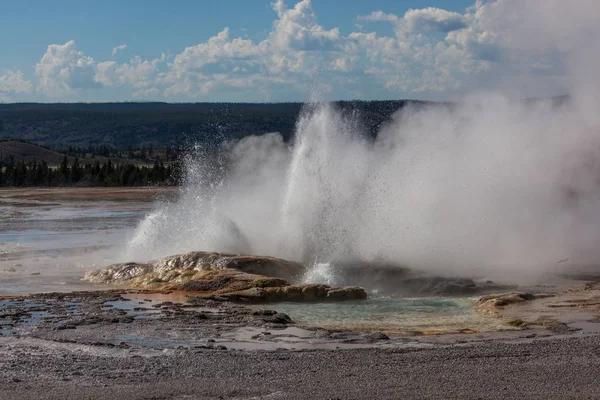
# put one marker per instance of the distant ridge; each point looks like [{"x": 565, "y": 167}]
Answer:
[
  {"x": 122, "y": 126},
  {"x": 133, "y": 125},
  {"x": 29, "y": 152}
]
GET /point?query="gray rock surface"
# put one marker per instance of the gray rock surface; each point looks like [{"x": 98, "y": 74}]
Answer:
[{"x": 541, "y": 369}]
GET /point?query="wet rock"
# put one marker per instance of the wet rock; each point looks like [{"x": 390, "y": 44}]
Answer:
[
  {"x": 292, "y": 293},
  {"x": 346, "y": 293},
  {"x": 504, "y": 299},
  {"x": 219, "y": 277},
  {"x": 211, "y": 285},
  {"x": 314, "y": 292},
  {"x": 253, "y": 295},
  {"x": 264, "y": 312},
  {"x": 278, "y": 318},
  {"x": 491, "y": 303},
  {"x": 230, "y": 280}
]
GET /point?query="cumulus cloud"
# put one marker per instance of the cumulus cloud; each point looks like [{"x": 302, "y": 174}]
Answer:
[
  {"x": 64, "y": 70},
  {"x": 495, "y": 44},
  {"x": 198, "y": 67},
  {"x": 13, "y": 82},
  {"x": 137, "y": 73},
  {"x": 433, "y": 20},
  {"x": 297, "y": 29},
  {"x": 296, "y": 49},
  {"x": 379, "y": 16},
  {"x": 147, "y": 93},
  {"x": 118, "y": 48}
]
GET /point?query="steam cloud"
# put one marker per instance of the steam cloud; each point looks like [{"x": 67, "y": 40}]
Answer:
[{"x": 490, "y": 185}]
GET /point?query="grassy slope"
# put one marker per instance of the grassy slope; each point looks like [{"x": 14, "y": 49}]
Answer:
[{"x": 30, "y": 152}]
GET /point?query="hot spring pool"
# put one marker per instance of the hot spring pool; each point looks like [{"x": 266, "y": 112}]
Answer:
[{"x": 392, "y": 314}]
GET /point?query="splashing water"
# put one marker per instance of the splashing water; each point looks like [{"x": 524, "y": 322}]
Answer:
[
  {"x": 320, "y": 273},
  {"x": 488, "y": 185}
]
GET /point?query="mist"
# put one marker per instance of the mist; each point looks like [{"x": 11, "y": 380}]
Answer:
[{"x": 492, "y": 185}]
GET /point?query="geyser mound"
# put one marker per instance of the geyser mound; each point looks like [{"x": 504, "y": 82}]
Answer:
[{"x": 482, "y": 188}]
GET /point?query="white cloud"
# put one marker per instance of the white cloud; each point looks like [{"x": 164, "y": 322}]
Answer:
[
  {"x": 14, "y": 82},
  {"x": 137, "y": 73},
  {"x": 376, "y": 16},
  {"x": 433, "y": 20},
  {"x": 197, "y": 67},
  {"x": 494, "y": 42},
  {"x": 297, "y": 29},
  {"x": 294, "y": 51},
  {"x": 118, "y": 48},
  {"x": 63, "y": 70},
  {"x": 146, "y": 94}
]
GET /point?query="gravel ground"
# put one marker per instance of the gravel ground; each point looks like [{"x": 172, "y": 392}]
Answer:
[
  {"x": 101, "y": 345},
  {"x": 538, "y": 369}
]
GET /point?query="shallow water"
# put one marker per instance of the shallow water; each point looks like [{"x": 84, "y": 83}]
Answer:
[
  {"x": 393, "y": 314},
  {"x": 50, "y": 237}
]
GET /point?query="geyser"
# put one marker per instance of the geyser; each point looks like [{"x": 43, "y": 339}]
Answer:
[
  {"x": 483, "y": 187},
  {"x": 487, "y": 186}
]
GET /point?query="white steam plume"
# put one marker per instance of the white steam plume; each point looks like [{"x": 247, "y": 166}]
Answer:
[{"x": 487, "y": 186}]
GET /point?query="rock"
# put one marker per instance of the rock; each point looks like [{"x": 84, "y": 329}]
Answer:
[
  {"x": 252, "y": 295},
  {"x": 221, "y": 277},
  {"x": 346, "y": 293},
  {"x": 389, "y": 277},
  {"x": 518, "y": 323},
  {"x": 275, "y": 294},
  {"x": 278, "y": 318},
  {"x": 490, "y": 304},
  {"x": 184, "y": 268},
  {"x": 314, "y": 292},
  {"x": 504, "y": 299},
  {"x": 377, "y": 336},
  {"x": 228, "y": 281},
  {"x": 210, "y": 285},
  {"x": 264, "y": 312},
  {"x": 118, "y": 273},
  {"x": 292, "y": 293}
]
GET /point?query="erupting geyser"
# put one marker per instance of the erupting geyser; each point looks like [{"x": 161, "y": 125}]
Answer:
[
  {"x": 485, "y": 186},
  {"x": 476, "y": 188}
]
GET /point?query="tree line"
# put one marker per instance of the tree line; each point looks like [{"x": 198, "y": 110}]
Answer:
[
  {"x": 110, "y": 127},
  {"x": 143, "y": 153},
  {"x": 21, "y": 174}
]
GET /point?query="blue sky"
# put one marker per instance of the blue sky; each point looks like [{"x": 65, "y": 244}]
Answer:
[{"x": 259, "y": 50}]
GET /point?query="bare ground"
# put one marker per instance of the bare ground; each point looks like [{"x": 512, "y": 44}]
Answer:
[{"x": 96, "y": 346}]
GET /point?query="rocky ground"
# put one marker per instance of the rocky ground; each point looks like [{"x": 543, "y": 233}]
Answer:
[
  {"x": 256, "y": 279},
  {"x": 135, "y": 345},
  {"x": 536, "y": 369},
  {"x": 205, "y": 329}
]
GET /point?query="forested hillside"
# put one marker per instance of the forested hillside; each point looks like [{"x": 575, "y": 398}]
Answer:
[{"x": 125, "y": 126}]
